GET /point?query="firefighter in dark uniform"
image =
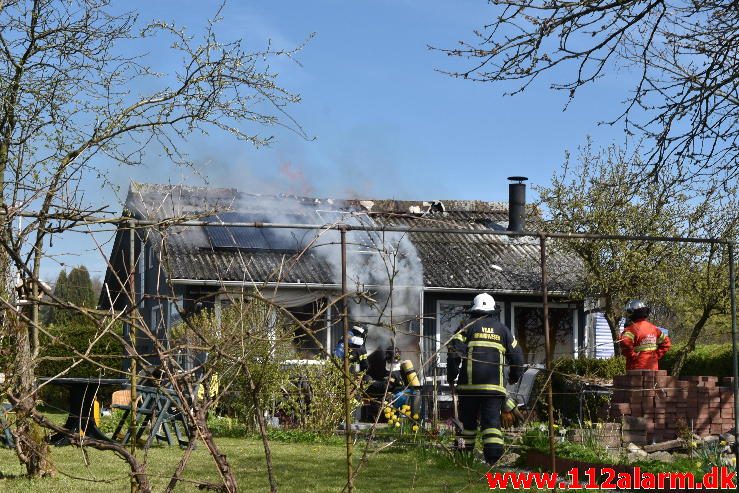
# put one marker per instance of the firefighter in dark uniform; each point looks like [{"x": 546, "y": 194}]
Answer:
[
  {"x": 483, "y": 346},
  {"x": 357, "y": 350}
]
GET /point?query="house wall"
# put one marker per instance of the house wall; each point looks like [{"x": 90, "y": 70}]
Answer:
[
  {"x": 154, "y": 296},
  {"x": 434, "y": 364}
]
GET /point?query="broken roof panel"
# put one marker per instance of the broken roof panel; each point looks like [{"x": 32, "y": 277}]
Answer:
[{"x": 489, "y": 262}]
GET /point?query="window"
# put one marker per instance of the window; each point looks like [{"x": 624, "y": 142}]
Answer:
[
  {"x": 149, "y": 258},
  {"x": 304, "y": 344},
  {"x": 527, "y": 321},
  {"x": 176, "y": 305},
  {"x": 449, "y": 315},
  {"x": 157, "y": 323}
]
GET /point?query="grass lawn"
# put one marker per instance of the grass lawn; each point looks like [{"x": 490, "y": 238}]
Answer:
[{"x": 301, "y": 467}]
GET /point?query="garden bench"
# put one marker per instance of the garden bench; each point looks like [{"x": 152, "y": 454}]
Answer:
[{"x": 159, "y": 412}]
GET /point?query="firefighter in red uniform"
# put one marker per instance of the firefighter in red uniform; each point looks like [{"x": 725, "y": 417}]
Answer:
[{"x": 642, "y": 343}]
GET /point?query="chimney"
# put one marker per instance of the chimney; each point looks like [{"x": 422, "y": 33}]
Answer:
[{"x": 516, "y": 203}]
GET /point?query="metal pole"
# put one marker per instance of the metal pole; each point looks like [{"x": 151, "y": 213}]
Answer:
[
  {"x": 547, "y": 348},
  {"x": 347, "y": 383},
  {"x": 732, "y": 291},
  {"x": 132, "y": 337}
]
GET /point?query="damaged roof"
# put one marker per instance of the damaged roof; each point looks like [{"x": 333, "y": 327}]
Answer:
[{"x": 494, "y": 263}]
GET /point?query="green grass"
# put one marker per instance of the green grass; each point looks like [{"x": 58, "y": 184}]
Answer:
[{"x": 300, "y": 467}]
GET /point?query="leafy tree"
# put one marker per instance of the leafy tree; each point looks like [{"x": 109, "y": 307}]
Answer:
[
  {"x": 600, "y": 194},
  {"x": 75, "y": 289},
  {"x": 60, "y": 292},
  {"x": 681, "y": 55}
]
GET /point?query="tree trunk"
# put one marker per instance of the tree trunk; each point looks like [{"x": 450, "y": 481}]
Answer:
[
  {"x": 31, "y": 447},
  {"x": 263, "y": 434},
  {"x": 682, "y": 355},
  {"x": 612, "y": 318},
  {"x": 224, "y": 468}
]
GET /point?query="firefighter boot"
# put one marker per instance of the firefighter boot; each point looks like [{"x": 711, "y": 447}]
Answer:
[{"x": 492, "y": 445}]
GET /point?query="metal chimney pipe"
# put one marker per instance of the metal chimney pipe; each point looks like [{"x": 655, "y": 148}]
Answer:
[{"x": 517, "y": 203}]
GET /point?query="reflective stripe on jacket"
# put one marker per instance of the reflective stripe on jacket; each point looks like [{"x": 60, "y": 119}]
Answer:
[
  {"x": 483, "y": 347},
  {"x": 643, "y": 344}
]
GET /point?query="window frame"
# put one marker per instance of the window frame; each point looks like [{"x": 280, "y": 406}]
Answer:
[
  {"x": 437, "y": 329},
  {"x": 575, "y": 319}
]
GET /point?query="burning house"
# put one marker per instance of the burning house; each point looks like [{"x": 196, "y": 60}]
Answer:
[{"x": 409, "y": 278}]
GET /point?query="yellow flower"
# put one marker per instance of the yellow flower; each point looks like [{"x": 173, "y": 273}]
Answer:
[
  {"x": 693, "y": 444},
  {"x": 722, "y": 443},
  {"x": 416, "y": 417},
  {"x": 698, "y": 464},
  {"x": 397, "y": 424},
  {"x": 589, "y": 424},
  {"x": 555, "y": 427},
  {"x": 415, "y": 428}
]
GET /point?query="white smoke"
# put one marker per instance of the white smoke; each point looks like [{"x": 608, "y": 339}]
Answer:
[{"x": 383, "y": 269}]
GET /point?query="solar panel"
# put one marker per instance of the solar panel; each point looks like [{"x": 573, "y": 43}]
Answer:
[{"x": 255, "y": 239}]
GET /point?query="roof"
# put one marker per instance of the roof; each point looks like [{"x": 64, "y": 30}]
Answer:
[{"x": 456, "y": 261}]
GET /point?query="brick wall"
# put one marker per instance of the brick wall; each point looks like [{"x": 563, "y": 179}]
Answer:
[{"x": 704, "y": 405}]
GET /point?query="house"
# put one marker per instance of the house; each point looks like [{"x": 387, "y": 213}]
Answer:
[{"x": 434, "y": 272}]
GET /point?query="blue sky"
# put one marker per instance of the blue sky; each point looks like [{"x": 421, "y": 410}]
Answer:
[{"x": 385, "y": 123}]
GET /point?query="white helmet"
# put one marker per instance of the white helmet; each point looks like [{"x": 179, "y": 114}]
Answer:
[{"x": 483, "y": 303}]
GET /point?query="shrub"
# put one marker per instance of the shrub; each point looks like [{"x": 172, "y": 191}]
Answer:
[
  {"x": 569, "y": 374},
  {"x": 708, "y": 359},
  {"x": 315, "y": 401},
  {"x": 591, "y": 368}
]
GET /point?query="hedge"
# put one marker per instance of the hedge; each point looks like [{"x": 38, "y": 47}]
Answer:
[{"x": 708, "y": 359}]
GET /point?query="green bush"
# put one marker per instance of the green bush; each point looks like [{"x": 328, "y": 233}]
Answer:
[
  {"x": 57, "y": 358},
  {"x": 227, "y": 427},
  {"x": 708, "y": 359},
  {"x": 315, "y": 397},
  {"x": 569, "y": 375},
  {"x": 590, "y": 368}
]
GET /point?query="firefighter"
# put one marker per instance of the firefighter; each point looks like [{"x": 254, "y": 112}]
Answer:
[
  {"x": 483, "y": 345},
  {"x": 642, "y": 343},
  {"x": 357, "y": 350}
]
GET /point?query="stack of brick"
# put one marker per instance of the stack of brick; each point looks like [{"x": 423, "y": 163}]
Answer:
[{"x": 670, "y": 405}]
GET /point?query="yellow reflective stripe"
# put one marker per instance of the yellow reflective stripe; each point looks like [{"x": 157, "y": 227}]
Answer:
[
  {"x": 481, "y": 386},
  {"x": 468, "y": 432},
  {"x": 514, "y": 343},
  {"x": 469, "y": 365},
  {"x": 469, "y": 441},
  {"x": 645, "y": 347},
  {"x": 496, "y": 440},
  {"x": 510, "y": 405},
  {"x": 495, "y": 345},
  {"x": 629, "y": 335},
  {"x": 661, "y": 338},
  {"x": 494, "y": 431},
  {"x": 362, "y": 356},
  {"x": 458, "y": 336}
]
